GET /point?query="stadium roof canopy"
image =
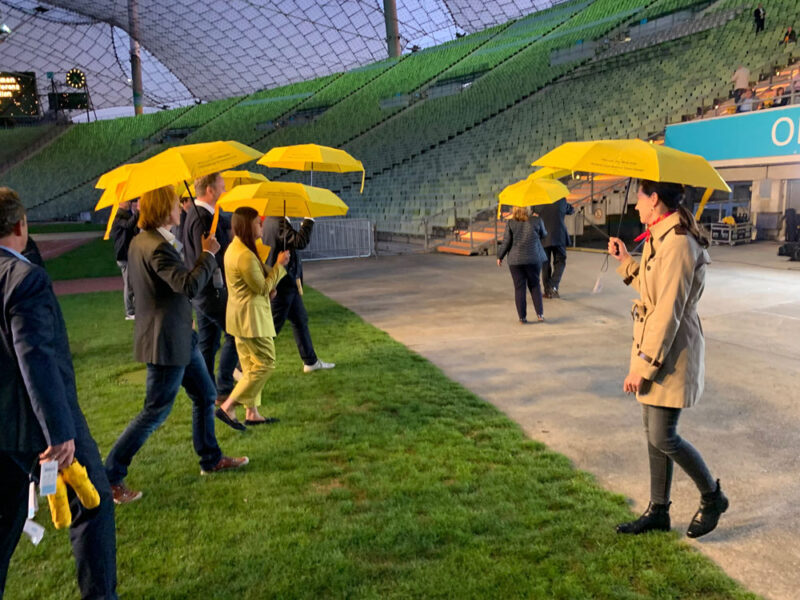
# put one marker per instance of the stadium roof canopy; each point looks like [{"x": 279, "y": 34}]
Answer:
[{"x": 212, "y": 49}]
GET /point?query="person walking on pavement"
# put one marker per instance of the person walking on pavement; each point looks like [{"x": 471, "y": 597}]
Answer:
[
  {"x": 279, "y": 235},
  {"x": 667, "y": 360},
  {"x": 164, "y": 340},
  {"x": 555, "y": 243}
]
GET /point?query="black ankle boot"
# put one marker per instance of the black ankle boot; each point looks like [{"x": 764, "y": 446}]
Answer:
[
  {"x": 655, "y": 518},
  {"x": 705, "y": 520}
]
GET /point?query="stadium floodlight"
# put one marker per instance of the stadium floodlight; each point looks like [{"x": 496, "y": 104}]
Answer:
[{"x": 5, "y": 31}]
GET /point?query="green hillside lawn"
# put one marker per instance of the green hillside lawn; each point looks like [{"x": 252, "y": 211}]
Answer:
[{"x": 383, "y": 480}]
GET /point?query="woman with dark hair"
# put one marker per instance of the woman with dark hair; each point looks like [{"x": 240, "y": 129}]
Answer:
[
  {"x": 667, "y": 357},
  {"x": 522, "y": 242},
  {"x": 249, "y": 318}
]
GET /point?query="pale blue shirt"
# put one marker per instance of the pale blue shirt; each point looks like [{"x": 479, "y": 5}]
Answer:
[{"x": 15, "y": 253}]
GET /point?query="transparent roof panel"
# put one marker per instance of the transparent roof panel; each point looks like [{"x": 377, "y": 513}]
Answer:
[{"x": 213, "y": 49}]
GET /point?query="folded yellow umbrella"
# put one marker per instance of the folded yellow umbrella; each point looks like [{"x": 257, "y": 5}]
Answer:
[
  {"x": 281, "y": 199},
  {"x": 312, "y": 157}
]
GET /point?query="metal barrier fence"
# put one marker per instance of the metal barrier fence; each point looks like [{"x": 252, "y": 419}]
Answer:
[{"x": 340, "y": 238}]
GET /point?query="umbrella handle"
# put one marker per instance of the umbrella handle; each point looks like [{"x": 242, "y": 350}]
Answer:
[{"x": 114, "y": 209}]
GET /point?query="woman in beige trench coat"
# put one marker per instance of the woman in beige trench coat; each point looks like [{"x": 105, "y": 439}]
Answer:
[{"x": 667, "y": 355}]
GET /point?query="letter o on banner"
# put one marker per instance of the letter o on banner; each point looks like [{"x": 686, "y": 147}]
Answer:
[{"x": 775, "y": 130}]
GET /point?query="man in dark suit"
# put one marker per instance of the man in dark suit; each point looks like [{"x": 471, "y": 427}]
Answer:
[
  {"x": 760, "y": 17},
  {"x": 122, "y": 231},
  {"x": 555, "y": 244},
  {"x": 211, "y": 301},
  {"x": 39, "y": 406},
  {"x": 279, "y": 234},
  {"x": 164, "y": 340}
]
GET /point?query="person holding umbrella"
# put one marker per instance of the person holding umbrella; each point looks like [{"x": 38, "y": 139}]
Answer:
[
  {"x": 249, "y": 317},
  {"x": 522, "y": 242},
  {"x": 555, "y": 243},
  {"x": 667, "y": 357},
  {"x": 164, "y": 340}
]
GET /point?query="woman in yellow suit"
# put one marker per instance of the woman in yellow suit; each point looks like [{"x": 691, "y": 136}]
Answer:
[{"x": 249, "y": 317}]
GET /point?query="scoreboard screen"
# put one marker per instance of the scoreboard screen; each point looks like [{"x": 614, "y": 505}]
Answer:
[{"x": 18, "y": 96}]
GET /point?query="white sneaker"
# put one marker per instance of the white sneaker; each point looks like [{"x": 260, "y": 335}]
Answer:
[
  {"x": 130, "y": 317},
  {"x": 317, "y": 366}
]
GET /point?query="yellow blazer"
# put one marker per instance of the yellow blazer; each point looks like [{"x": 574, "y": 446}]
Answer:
[{"x": 248, "y": 313}]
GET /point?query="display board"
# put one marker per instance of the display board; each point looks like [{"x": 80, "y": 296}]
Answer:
[{"x": 18, "y": 97}]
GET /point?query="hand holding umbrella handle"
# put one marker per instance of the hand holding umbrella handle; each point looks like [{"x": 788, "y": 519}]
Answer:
[
  {"x": 617, "y": 249},
  {"x": 210, "y": 244},
  {"x": 283, "y": 257}
]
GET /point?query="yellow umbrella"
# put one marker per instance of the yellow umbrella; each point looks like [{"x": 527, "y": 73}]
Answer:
[
  {"x": 185, "y": 163},
  {"x": 232, "y": 179},
  {"x": 550, "y": 173},
  {"x": 112, "y": 183},
  {"x": 636, "y": 158},
  {"x": 281, "y": 199},
  {"x": 312, "y": 157},
  {"x": 530, "y": 192}
]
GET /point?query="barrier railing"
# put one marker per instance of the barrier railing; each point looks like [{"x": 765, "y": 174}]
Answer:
[{"x": 340, "y": 238}]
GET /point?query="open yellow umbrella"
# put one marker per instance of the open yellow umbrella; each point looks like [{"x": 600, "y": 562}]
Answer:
[
  {"x": 549, "y": 173},
  {"x": 282, "y": 199},
  {"x": 232, "y": 179},
  {"x": 112, "y": 183},
  {"x": 530, "y": 192},
  {"x": 312, "y": 157}
]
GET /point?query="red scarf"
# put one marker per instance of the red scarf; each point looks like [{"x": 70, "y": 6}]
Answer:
[{"x": 646, "y": 234}]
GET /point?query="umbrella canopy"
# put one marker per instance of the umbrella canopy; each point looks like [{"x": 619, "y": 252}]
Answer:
[
  {"x": 232, "y": 179},
  {"x": 531, "y": 191},
  {"x": 280, "y": 199},
  {"x": 312, "y": 157},
  {"x": 185, "y": 163},
  {"x": 634, "y": 158},
  {"x": 112, "y": 183},
  {"x": 549, "y": 173}
]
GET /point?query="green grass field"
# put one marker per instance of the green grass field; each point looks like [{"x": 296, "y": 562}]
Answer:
[
  {"x": 64, "y": 227},
  {"x": 94, "y": 259},
  {"x": 384, "y": 479}
]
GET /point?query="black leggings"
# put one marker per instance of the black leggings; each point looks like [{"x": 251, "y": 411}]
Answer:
[
  {"x": 526, "y": 276},
  {"x": 664, "y": 447}
]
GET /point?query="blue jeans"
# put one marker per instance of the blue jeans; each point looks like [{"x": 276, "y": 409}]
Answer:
[
  {"x": 163, "y": 382},
  {"x": 209, "y": 328}
]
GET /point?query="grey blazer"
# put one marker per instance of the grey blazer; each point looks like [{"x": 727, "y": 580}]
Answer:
[
  {"x": 38, "y": 401},
  {"x": 522, "y": 242},
  {"x": 163, "y": 286}
]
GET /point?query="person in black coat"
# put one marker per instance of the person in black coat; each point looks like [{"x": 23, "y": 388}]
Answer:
[
  {"x": 522, "y": 244},
  {"x": 164, "y": 340},
  {"x": 122, "y": 231},
  {"x": 41, "y": 416},
  {"x": 279, "y": 235},
  {"x": 210, "y": 304},
  {"x": 32, "y": 253},
  {"x": 555, "y": 244},
  {"x": 759, "y": 17}
]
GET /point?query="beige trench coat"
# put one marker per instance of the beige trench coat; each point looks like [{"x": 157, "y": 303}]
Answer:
[{"x": 668, "y": 348}]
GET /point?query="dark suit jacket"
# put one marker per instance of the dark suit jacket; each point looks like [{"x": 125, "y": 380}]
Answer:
[
  {"x": 210, "y": 300},
  {"x": 522, "y": 242},
  {"x": 163, "y": 285},
  {"x": 38, "y": 402},
  {"x": 553, "y": 217},
  {"x": 122, "y": 231},
  {"x": 279, "y": 234}
]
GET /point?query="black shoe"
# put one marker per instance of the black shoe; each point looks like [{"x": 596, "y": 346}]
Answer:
[
  {"x": 707, "y": 516},
  {"x": 267, "y": 421},
  {"x": 655, "y": 518},
  {"x": 235, "y": 423},
  {"x": 554, "y": 293},
  {"x": 523, "y": 321}
]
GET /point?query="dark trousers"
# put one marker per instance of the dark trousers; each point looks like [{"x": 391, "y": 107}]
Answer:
[
  {"x": 665, "y": 446},
  {"x": 288, "y": 304},
  {"x": 127, "y": 289},
  {"x": 759, "y": 25},
  {"x": 526, "y": 276},
  {"x": 210, "y": 327},
  {"x": 162, "y": 387},
  {"x": 551, "y": 275},
  {"x": 92, "y": 532}
]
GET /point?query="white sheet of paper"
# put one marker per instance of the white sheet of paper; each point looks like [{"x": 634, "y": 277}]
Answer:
[
  {"x": 34, "y": 531},
  {"x": 47, "y": 478}
]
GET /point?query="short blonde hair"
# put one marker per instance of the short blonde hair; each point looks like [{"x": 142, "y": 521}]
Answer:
[
  {"x": 520, "y": 213},
  {"x": 155, "y": 207}
]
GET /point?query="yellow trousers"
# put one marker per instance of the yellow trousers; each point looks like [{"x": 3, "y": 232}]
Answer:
[{"x": 257, "y": 357}]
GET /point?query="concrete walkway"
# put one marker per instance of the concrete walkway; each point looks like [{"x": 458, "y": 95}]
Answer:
[{"x": 561, "y": 380}]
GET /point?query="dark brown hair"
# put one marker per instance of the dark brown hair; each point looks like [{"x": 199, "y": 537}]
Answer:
[
  {"x": 242, "y": 225},
  {"x": 672, "y": 194},
  {"x": 12, "y": 211}
]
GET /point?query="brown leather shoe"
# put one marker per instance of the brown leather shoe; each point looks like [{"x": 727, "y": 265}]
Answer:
[
  {"x": 122, "y": 494},
  {"x": 226, "y": 463}
]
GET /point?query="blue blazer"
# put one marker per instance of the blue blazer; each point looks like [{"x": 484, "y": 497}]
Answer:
[{"x": 38, "y": 401}]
